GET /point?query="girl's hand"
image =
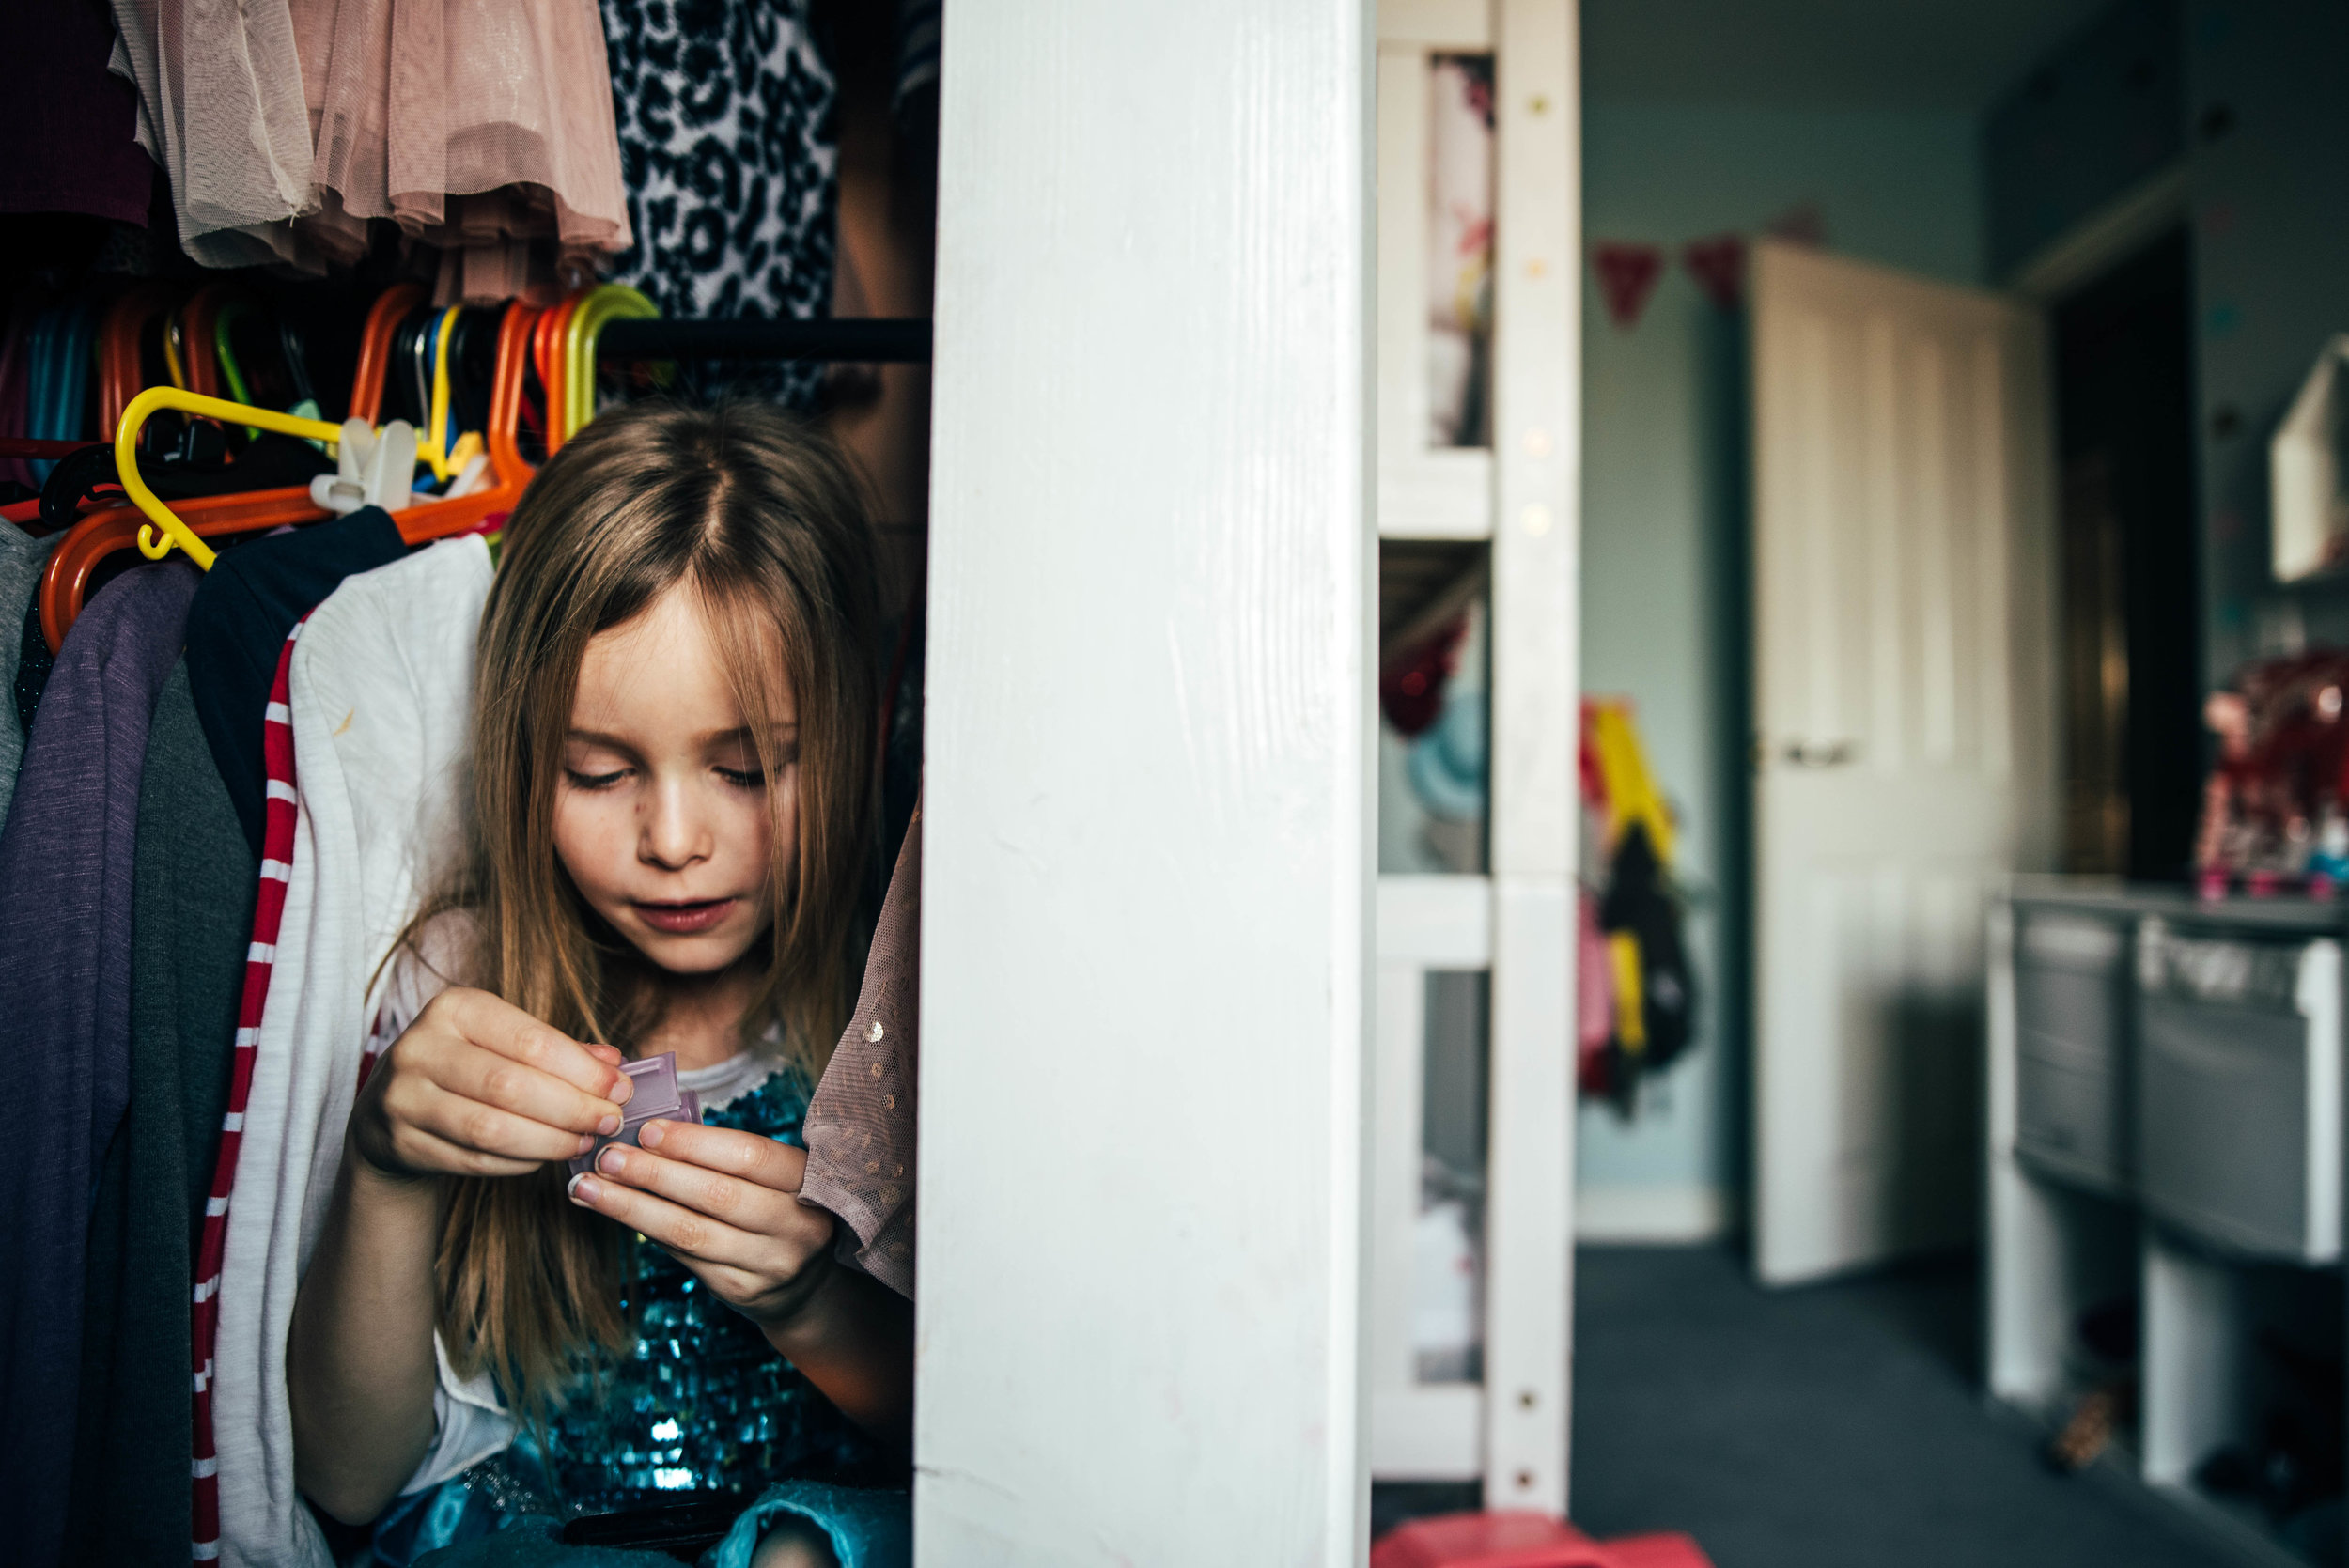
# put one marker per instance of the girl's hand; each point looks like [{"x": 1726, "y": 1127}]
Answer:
[
  {"x": 478, "y": 1087},
  {"x": 725, "y": 1204}
]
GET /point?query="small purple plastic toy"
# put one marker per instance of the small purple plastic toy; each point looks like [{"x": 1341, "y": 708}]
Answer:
[{"x": 657, "y": 1099}]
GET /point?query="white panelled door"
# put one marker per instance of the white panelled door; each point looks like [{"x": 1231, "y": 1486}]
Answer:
[{"x": 1903, "y": 754}]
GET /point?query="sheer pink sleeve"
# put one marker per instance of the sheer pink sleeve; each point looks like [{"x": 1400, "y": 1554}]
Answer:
[{"x": 859, "y": 1124}]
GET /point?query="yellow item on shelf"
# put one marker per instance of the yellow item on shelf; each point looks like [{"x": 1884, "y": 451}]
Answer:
[
  {"x": 1622, "y": 962},
  {"x": 1631, "y": 792}
]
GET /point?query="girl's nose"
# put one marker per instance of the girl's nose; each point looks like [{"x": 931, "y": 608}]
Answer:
[{"x": 673, "y": 834}]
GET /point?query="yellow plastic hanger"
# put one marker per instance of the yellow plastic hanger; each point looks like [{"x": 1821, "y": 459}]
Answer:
[
  {"x": 166, "y": 530},
  {"x": 611, "y": 302},
  {"x": 432, "y": 442},
  {"x": 171, "y": 350}
]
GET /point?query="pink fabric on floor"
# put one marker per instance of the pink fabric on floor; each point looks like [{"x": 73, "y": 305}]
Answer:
[{"x": 1524, "y": 1539}]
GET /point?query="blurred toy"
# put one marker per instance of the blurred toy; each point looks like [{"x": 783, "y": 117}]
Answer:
[
  {"x": 1446, "y": 764},
  {"x": 2273, "y": 818}
]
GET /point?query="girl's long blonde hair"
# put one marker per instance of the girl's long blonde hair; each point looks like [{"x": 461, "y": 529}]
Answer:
[{"x": 765, "y": 522}]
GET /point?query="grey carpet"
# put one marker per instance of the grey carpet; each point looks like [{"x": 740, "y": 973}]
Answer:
[{"x": 1835, "y": 1426}]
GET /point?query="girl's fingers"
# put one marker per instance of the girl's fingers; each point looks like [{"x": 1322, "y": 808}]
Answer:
[
  {"x": 497, "y": 1025},
  {"x": 499, "y": 1080},
  {"x": 740, "y": 1204},
  {"x": 422, "y": 1151},
  {"x": 488, "y": 1129},
  {"x": 761, "y": 1161},
  {"x": 681, "y": 1229}
]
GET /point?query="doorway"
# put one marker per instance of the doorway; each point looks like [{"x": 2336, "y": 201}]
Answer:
[{"x": 2132, "y": 733}]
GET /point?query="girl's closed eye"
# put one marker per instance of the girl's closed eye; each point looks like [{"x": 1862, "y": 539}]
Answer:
[
  {"x": 593, "y": 761},
  {"x": 739, "y": 764}
]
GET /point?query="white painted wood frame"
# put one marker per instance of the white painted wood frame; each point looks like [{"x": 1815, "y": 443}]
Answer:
[
  {"x": 1517, "y": 922},
  {"x": 1146, "y": 919}
]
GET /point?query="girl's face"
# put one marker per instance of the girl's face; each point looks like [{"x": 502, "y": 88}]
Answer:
[{"x": 660, "y": 814}]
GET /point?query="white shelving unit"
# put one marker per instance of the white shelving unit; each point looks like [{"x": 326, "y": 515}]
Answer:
[
  {"x": 2163, "y": 1121},
  {"x": 1516, "y": 923}
]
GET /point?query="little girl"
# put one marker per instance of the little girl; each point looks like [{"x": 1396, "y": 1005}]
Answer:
[{"x": 674, "y": 743}]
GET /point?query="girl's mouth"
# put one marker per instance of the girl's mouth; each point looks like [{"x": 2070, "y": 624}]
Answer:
[{"x": 685, "y": 918}]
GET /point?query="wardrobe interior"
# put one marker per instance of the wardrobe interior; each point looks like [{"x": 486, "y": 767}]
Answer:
[{"x": 262, "y": 270}]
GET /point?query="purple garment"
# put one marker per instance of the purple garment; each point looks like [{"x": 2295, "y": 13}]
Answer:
[
  {"x": 65, "y": 863},
  {"x": 68, "y": 143},
  {"x": 860, "y": 1122}
]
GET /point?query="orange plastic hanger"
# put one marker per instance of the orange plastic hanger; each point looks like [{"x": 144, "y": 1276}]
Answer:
[
  {"x": 549, "y": 349},
  {"x": 121, "y": 370},
  {"x": 542, "y": 339},
  {"x": 200, "y": 358},
  {"x": 121, "y": 340},
  {"x": 103, "y": 532},
  {"x": 391, "y": 307},
  {"x": 101, "y": 535}
]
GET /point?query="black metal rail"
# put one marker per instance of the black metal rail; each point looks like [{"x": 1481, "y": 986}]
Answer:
[{"x": 844, "y": 340}]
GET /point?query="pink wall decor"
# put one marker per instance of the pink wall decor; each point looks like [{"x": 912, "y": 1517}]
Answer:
[
  {"x": 1627, "y": 274},
  {"x": 1719, "y": 266}
]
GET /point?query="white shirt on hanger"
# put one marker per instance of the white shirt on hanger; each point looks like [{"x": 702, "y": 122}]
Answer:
[{"x": 380, "y": 698}]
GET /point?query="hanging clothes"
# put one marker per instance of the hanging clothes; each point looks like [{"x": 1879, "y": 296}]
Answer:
[
  {"x": 66, "y": 891},
  {"x": 1655, "y": 991},
  {"x": 249, "y": 601},
  {"x": 190, "y": 915},
  {"x": 921, "y": 30},
  {"x": 1637, "y": 955},
  {"x": 283, "y": 129},
  {"x": 21, "y": 558},
  {"x": 70, "y": 142},
  {"x": 34, "y": 661},
  {"x": 1630, "y": 792},
  {"x": 724, "y": 125},
  {"x": 269, "y": 913},
  {"x": 15, "y": 372},
  {"x": 859, "y": 1123},
  {"x": 479, "y": 129},
  {"x": 379, "y": 701},
  {"x": 1460, "y": 275},
  {"x": 1593, "y": 994},
  {"x": 221, "y": 110}
]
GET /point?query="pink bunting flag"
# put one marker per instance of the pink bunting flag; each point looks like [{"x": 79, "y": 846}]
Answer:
[
  {"x": 1627, "y": 274},
  {"x": 1805, "y": 224},
  {"x": 1719, "y": 266}
]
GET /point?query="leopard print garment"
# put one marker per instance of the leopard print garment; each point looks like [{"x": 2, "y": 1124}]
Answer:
[{"x": 725, "y": 109}]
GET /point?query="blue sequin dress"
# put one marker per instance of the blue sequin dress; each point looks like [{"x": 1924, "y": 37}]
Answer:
[{"x": 704, "y": 1405}]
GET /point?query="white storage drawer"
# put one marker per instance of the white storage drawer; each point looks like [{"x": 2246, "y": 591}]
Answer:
[
  {"x": 2239, "y": 1090},
  {"x": 2074, "y": 1018}
]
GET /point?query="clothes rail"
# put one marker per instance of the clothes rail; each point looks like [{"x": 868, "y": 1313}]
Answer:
[{"x": 844, "y": 340}]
